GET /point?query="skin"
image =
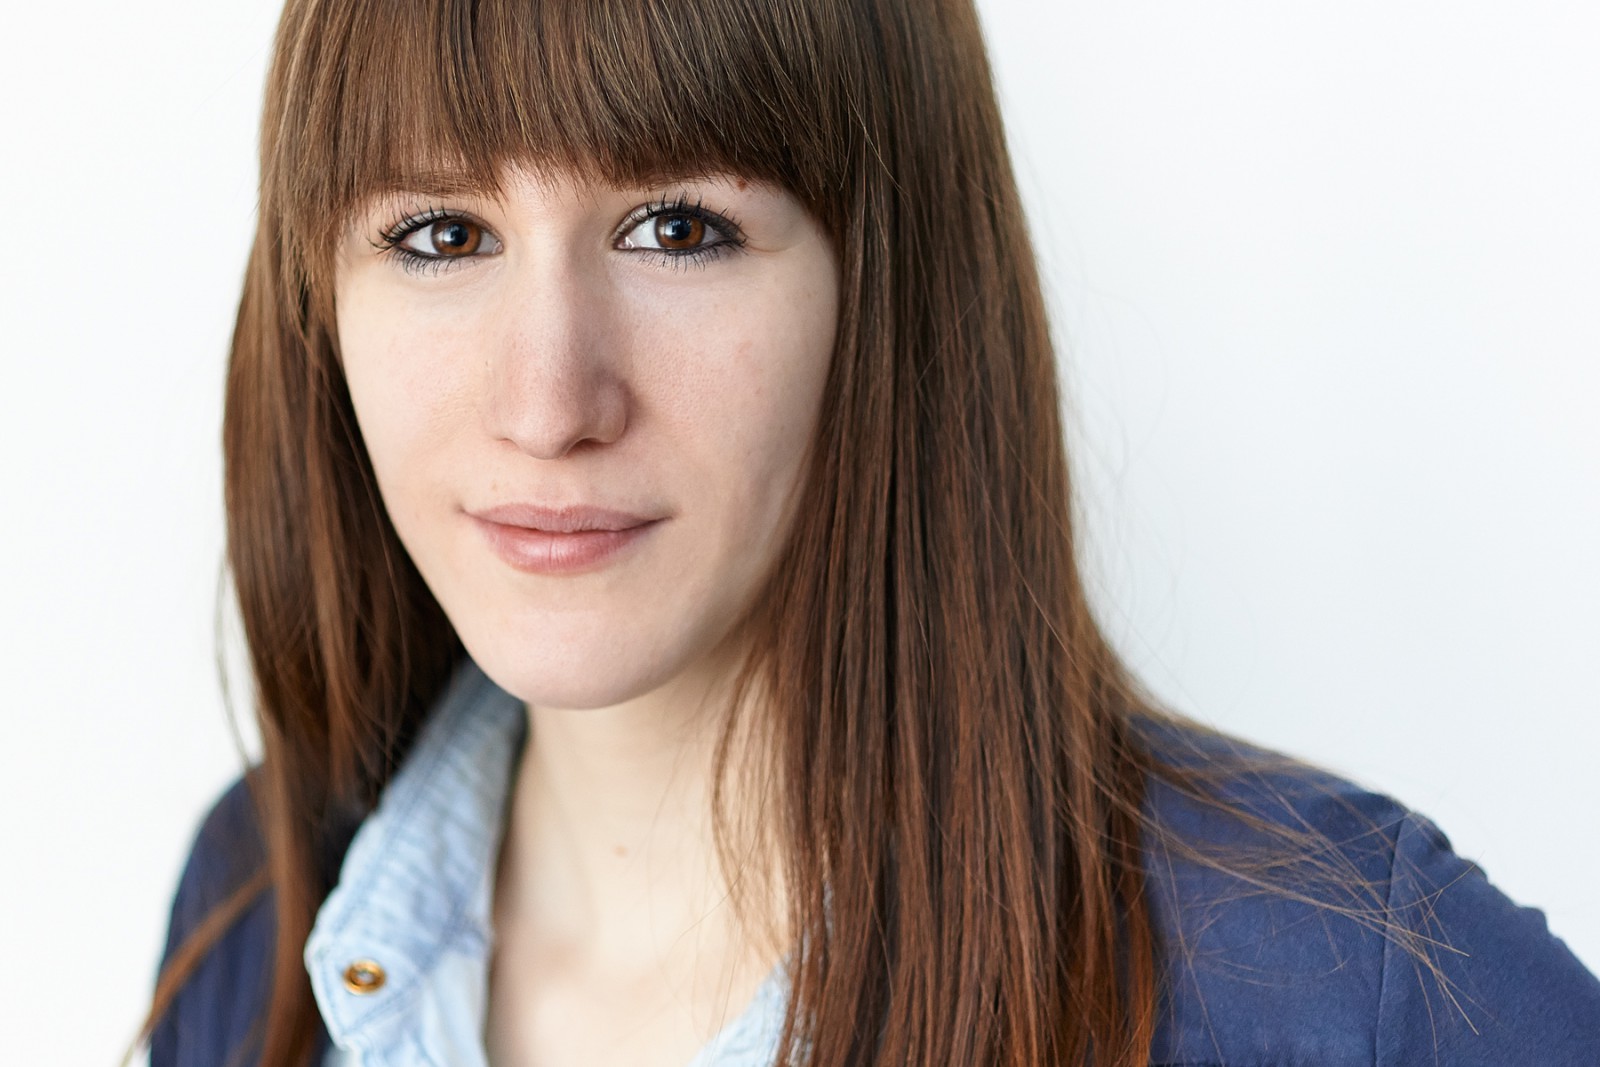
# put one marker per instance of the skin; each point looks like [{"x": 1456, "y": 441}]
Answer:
[{"x": 555, "y": 358}]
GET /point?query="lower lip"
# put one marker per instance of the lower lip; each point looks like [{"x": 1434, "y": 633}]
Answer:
[{"x": 543, "y": 552}]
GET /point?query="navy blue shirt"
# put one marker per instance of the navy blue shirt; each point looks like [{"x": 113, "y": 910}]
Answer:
[{"x": 1253, "y": 977}]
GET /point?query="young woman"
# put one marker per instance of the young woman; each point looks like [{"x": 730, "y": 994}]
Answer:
[{"x": 648, "y": 510}]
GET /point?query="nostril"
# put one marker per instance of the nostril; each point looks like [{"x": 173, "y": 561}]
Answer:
[{"x": 551, "y": 418}]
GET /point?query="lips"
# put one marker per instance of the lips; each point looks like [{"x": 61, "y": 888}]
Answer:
[
  {"x": 565, "y": 520},
  {"x": 536, "y": 539}
]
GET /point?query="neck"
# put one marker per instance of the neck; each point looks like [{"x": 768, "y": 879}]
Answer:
[{"x": 610, "y": 856}]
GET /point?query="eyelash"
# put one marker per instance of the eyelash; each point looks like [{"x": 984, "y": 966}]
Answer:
[{"x": 732, "y": 239}]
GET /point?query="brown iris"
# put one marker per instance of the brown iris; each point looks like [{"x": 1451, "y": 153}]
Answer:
[
  {"x": 455, "y": 237},
  {"x": 679, "y": 231}
]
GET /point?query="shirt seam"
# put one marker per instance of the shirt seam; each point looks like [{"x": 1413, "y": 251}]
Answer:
[{"x": 1399, "y": 828}]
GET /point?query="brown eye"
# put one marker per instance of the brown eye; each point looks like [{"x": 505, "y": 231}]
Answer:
[
  {"x": 455, "y": 237},
  {"x": 679, "y": 232},
  {"x": 445, "y": 237}
]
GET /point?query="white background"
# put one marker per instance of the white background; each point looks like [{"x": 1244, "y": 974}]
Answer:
[{"x": 1325, "y": 277}]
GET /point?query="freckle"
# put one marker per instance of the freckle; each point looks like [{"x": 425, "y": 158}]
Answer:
[{"x": 618, "y": 850}]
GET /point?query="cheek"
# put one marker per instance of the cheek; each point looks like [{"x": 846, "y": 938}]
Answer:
[
  {"x": 747, "y": 406},
  {"x": 785, "y": 368},
  {"x": 771, "y": 419},
  {"x": 404, "y": 394}
]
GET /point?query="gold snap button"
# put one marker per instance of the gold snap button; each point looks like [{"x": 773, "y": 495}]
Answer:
[{"x": 364, "y": 976}]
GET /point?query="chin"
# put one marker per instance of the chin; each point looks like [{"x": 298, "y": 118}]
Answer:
[{"x": 550, "y": 672}]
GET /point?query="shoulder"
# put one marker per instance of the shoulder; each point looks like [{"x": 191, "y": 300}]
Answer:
[
  {"x": 1339, "y": 927},
  {"x": 217, "y": 1006},
  {"x": 228, "y": 846}
]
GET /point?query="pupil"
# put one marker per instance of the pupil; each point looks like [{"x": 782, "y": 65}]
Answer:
[
  {"x": 679, "y": 230},
  {"x": 454, "y": 236}
]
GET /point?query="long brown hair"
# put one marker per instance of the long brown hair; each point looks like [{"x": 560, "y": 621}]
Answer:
[{"x": 953, "y": 739}]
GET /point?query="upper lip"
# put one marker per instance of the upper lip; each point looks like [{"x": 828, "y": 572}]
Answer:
[{"x": 571, "y": 518}]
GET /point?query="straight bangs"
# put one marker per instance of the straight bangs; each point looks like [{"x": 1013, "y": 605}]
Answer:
[{"x": 439, "y": 95}]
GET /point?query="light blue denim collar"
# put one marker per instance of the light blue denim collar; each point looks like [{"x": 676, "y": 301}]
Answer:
[
  {"x": 417, "y": 879},
  {"x": 415, "y": 897}
]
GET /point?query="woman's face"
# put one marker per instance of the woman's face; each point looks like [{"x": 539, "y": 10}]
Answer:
[{"x": 587, "y": 409}]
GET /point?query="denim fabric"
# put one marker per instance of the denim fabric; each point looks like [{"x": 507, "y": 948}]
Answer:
[
  {"x": 1250, "y": 977},
  {"x": 414, "y": 895}
]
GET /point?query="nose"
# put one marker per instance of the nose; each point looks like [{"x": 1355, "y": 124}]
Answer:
[{"x": 556, "y": 371}]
